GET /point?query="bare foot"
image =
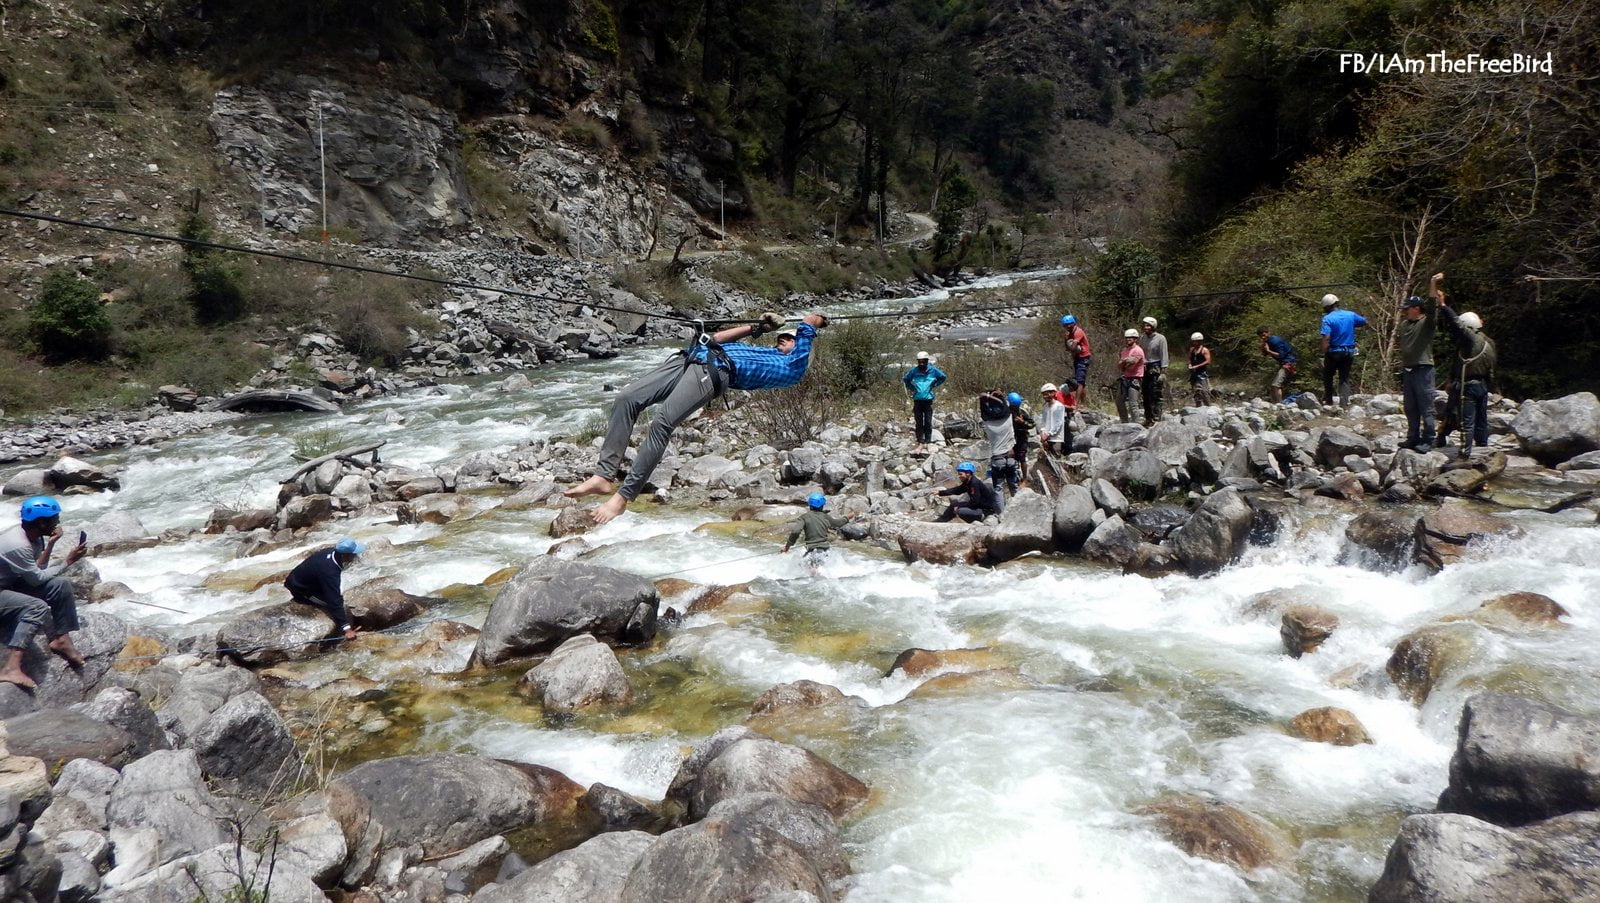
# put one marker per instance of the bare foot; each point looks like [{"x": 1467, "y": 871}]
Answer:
[
  {"x": 62, "y": 646},
  {"x": 609, "y": 509},
  {"x": 595, "y": 485},
  {"x": 12, "y": 676}
]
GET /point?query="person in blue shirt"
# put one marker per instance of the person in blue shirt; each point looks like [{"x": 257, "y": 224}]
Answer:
[
  {"x": 1338, "y": 347},
  {"x": 920, "y": 381},
  {"x": 684, "y": 383},
  {"x": 1279, "y": 349},
  {"x": 315, "y": 582}
]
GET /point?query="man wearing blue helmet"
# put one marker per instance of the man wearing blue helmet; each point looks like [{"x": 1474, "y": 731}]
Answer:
[
  {"x": 980, "y": 502},
  {"x": 315, "y": 582},
  {"x": 33, "y": 595},
  {"x": 815, "y": 525},
  {"x": 1078, "y": 354}
]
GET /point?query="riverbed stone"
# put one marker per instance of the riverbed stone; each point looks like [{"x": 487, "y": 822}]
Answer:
[
  {"x": 1520, "y": 760},
  {"x": 928, "y": 662},
  {"x": 1556, "y": 429},
  {"x": 1219, "y": 832},
  {"x": 592, "y": 872},
  {"x": 582, "y": 673},
  {"x": 1455, "y": 529},
  {"x": 1382, "y": 540},
  {"x": 1214, "y": 535},
  {"x": 286, "y": 631},
  {"x": 1108, "y": 498},
  {"x": 1304, "y": 628},
  {"x": 68, "y": 471},
  {"x": 715, "y": 860},
  {"x": 1073, "y": 517},
  {"x": 1423, "y": 657},
  {"x": 549, "y": 601},
  {"x": 1113, "y": 542},
  {"x": 1329, "y": 724},
  {"x": 159, "y": 811},
  {"x": 59, "y": 736},
  {"x": 379, "y": 605},
  {"x": 950, "y": 543},
  {"x": 305, "y": 511},
  {"x": 1204, "y": 462},
  {"x": 1137, "y": 472},
  {"x": 117, "y": 530},
  {"x": 1335, "y": 442},
  {"x": 126, "y": 709},
  {"x": 99, "y": 637},
  {"x": 757, "y": 764},
  {"x": 799, "y": 694},
  {"x": 1027, "y": 525},
  {"x": 246, "y": 744},
  {"x": 1447, "y": 858}
]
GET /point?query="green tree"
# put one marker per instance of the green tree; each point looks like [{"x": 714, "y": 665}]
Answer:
[
  {"x": 1120, "y": 277},
  {"x": 215, "y": 279},
  {"x": 956, "y": 197},
  {"x": 66, "y": 320},
  {"x": 1012, "y": 123}
]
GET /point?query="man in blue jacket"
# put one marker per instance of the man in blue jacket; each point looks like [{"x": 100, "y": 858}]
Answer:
[
  {"x": 1338, "y": 347},
  {"x": 920, "y": 381},
  {"x": 315, "y": 582}
]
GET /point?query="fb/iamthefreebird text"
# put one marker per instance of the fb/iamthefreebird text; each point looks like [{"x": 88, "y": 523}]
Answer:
[{"x": 1445, "y": 63}]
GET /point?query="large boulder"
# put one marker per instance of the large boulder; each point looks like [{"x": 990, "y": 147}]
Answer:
[
  {"x": 581, "y": 673},
  {"x": 246, "y": 744},
  {"x": 126, "y": 709},
  {"x": 1445, "y": 858},
  {"x": 951, "y": 543},
  {"x": 799, "y": 694},
  {"x": 1520, "y": 760},
  {"x": 549, "y": 601},
  {"x": 1215, "y": 534},
  {"x": 1450, "y": 532},
  {"x": 69, "y": 471},
  {"x": 379, "y": 605},
  {"x": 1336, "y": 442},
  {"x": 159, "y": 811},
  {"x": 752, "y": 763},
  {"x": 703, "y": 471},
  {"x": 1170, "y": 442},
  {"x": 1026, "y": 526},
  {"x": 277, "y": 633},
  {"x": 59, "y": 736},
  {"x": 193, "y": 689},
  {"x": 1073, "y": 518},
  {"x": 1304, "y": 628},
  {"x": 1136, "y": 472},
  {"x": 227, "y": 871},
  {"x": 100, "y": 637},
  {"x": 1559, "y": 428},
  {"x": 1423, "y": 657},
  {"x": 1113, "y": 542},
  {"x": 439, "y": 803},
  {"x": 1380, "y": 540},
  {"x": 117, "y": 530},
  {"x": 592, "y": 872},
  {"x": 1205, "y": 462}
]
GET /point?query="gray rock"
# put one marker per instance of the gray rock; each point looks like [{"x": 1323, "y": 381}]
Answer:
[
  {"x": 1381, "y": 540},
  {"x": 246, "y": 744},
  {"x": 1116, "y": 437},
  {"x": 1204, "y": 462},
  {"x": 90, "y": 783},
  {"x": 1519, "y": 760},
  {"x": 581, "y": 673},
  {"x": 807, "y": 827},
  {"x": 800, "y": 465},
  {"x": 1170, "y": 442},
  {"x": 705, "y": 470},
  {"x": 1215, "y": 534},
  {"x": 1113, "y": 542},
  {"x": 68, "y": 471},
  {"x": 123, "y": 708},
  {"x": 708, "y": 861},
  {"x": 305, "y": 511},
  {"x": 1559, "y": 428},
  {"x": 1073, "y": 518},
  {"x": 615, "y": 810},
  {"x": 948, "y": 543},
  {"x": 592, "y": 872},
  {"x": 282, "y": 632},
  {"x": 115, "y": 530},
  {"x": 1108, "y": 498},
  {"x": 1444, "y": 858},
  {"x": 315, "y": 846},
  {"x": 1336, "y": 442},
  {"x": 1137, "y": 472},
  {"x": 162, "y": 809},
  {"x": 80, "y": 880},
  {"x": 221, "y": 872},
  {"x": 100, "y": 637},
  {"x": 1027, "y": 525},
  {"x": 550, "y": 601},
  {"x": 757, "y": 764},
  {"x": 34, "y": 481},
  {"x": 198, "y": 689},
  {"x": 60, "y": 736}
]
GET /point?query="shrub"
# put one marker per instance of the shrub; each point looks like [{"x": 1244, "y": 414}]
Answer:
[
  {"x": 66, "y": 320},
  {"x": 853, "y": 356},
  {"x": 215, "y": 279}
]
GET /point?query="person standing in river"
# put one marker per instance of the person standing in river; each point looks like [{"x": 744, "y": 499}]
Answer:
[
  {"x": 815, "y": 525},
  {"x": 684, "y": 383},
  {"x": 1338, "y": 348},
  {"x": 920, "y": 381},
  {"x": 33, "y": 595},
  {"x": 1154, "y": 345},
  {"x": 1419, "y": 320}
]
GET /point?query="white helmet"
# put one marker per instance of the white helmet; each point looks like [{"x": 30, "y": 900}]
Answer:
[
  {"x": 1148, "y": 321},
  {"x": 1047, "y": 388},
  {"x": 1470, "y": 320},
  {"x": 1197, "y": 337},
  {"x": 1330, "y": 299},
  {"x": 923, "y": 356},
  {"x": 1131, "y": 334}
]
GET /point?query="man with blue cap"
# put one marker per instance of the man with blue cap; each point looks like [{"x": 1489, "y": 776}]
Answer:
[
  {"x": 815, "y": 525},
  {"x": 33, "y": 595},
  {"x": 315, "y": 582}
]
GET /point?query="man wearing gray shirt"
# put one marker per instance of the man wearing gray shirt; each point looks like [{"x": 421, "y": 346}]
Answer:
[
  {"x": 33, "y": 595},
  {"x": 1155, "y": 365},
  {"x": 1419, "y": 319}
]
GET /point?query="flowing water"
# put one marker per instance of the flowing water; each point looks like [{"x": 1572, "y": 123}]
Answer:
[{"x": 1136, "y": 689}]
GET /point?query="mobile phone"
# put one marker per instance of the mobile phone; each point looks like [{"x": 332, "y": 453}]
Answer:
[{"x": 83, "y": 537}]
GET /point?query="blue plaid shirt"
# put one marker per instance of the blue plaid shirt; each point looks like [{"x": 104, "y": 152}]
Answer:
[{"x": 758, "y": 367}]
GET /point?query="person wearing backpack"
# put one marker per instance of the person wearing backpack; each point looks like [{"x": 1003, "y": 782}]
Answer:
[{"x": 1471, "y": 378}]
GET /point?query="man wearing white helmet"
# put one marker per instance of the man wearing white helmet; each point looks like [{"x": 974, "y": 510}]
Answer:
[
  {"x": 1338, "y": 347},
  {"x": 1469, "y": 381},
  {"x": 920, "y": 381},
  {"x": 1199, "y": 364},
  {"x": 1131, "y": 364},
  {"x": 1052, "y": 422},
  {"x": 1154, "y": 345}
]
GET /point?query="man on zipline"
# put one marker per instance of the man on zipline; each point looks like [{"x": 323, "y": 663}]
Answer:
[{"x": 684, "y": 383}]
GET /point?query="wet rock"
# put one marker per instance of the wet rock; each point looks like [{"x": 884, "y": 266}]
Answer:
[
  {"x": 439, "y": 803},
  {"x": 99, "y": 637},
  {"x": 305, "y": 511},
  {"x": 1453, "y": 530},
  {"x": 379, "y": 605},
  {"x": 950, "y": 543},
  {"x": 246, "y": 744},
  {"x": 125, "y": 709},
  {"x": 800, "y": 694},
  {"x": 59, "y": 736},
  {"x": 927, "y": 662},
  {"x": 117, "y": 530},
  {"x": 1519, "y": 760},
  {"x": 1381, "y": 540},
  {"x": 287, "y": 631},
  {"x": 1136, "y": 472},
  {"x": 550, "y": 601},
  {"x": 1559, "y": 428},
  {"x": 1214, "y": 535},
  {"x": 987, "y": 682},
  {"x": 68, "y": 472},
  {"x": 1329, "y": 724},
  {"x": 1027, "y": 525},
  {"x": 160, "y": 811},
  {"x": 592, "y": 872},
  {"x": 1463, "y": 482},
  {"x": 224, "y": 519},
  {"x": 1421, "y": 658},
  {"x": 615, "y": 810},
  {"x": 581, "y": 673},
  {"x": 1531, "y": 609},
  {"x": 1219, "y": 832},
  {"x": 1113, "y": 542},
  {"x": 1306, "y": 627},
  {"x": 1443, "y": 858},
  {"x": 1073, "y": 518},
  {"x": 736, "y": 761},
  {"x": 33, "y": 481},
  {"x": 570, "y": 522}
]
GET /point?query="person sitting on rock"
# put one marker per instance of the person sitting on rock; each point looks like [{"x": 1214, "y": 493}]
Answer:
[
  {"x": 980, "y": 502},
  {"x": 684, "y": 383},
  {"x": 315, "y": 582},
  {"x": 815, "y": 525},
  {"x": 31, "y": 591}
]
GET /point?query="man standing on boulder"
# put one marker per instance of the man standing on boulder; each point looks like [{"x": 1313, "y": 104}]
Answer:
[
  {"x": 33, "y": 595},
  {"x": 1419, "y": 320},
  {"x": 1338, "y": 347},
  {"x": 315, "y": 582},
  {"x": 1154, "y": 345},
  {"x": 1078, "y": 354},
  {"x": 1282, "y": 353},
  {"x": 1468, "y": 407},
  {"x": 1132, "y": 364},
  {"x": 684, "y": 383},
  {"x": 920, "y": 381}
]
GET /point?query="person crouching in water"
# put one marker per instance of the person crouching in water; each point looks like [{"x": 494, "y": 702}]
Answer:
[
  {"x": 315, "y": 582},
  {"x": 33, "y": 595},
  {"x": 815, "y": 525},
  {"x": 981, "y": 500}
]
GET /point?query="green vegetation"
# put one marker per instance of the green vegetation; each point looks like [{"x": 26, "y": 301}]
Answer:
[
  {"x": 663, "y": 283},
  {"x": 66, "y": 321},
  {"x": 778, "y": 274},
  {"x": 214, "y": 276}
]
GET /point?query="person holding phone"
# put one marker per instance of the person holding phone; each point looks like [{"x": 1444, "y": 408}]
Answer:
[{"x": 33, "y": 595}]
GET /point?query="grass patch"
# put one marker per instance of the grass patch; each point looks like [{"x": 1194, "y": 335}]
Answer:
[{"x": 824, "y": 271}]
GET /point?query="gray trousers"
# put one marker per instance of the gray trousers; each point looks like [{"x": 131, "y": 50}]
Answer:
[
  {"x": 681, "y": 387},
  {"x": 1417, "y": 385},
  {"x": 26, "y": 610}
]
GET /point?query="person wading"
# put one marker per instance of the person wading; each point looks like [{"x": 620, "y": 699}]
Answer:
[
  {"x": 815, "y": 525},
  {"x": 684, "y": 383},
  {"x": 33, "y": 595},
  {"x": 920, "y": 382},
  {"x": 1338, "y": 348}
]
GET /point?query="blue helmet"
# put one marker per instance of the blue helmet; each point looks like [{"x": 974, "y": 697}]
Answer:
[
  {"x": 966, "y": 467},
  {"x": 40, "y": 507},
  {"x": 1068, "y": 320},
  {"x": 817, "y": 500},
  {"x": 1014, "y": 399}
]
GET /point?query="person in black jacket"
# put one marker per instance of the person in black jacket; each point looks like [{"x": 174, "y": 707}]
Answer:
[
  {"x": 315, "y": 582},
  {"x": 981, "y": 500}
]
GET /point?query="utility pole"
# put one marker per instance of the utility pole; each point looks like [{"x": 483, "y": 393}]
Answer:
[{"x": 322, "y": 157}]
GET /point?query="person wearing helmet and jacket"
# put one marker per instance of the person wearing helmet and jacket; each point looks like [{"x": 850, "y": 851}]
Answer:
[
  {"x": 980, "y": 502},
  {"x": 1052, "y": 419},
  {"x": 1078, "y": 354},
  {"x": 1471, "y": 377},
  {"x": 683, "y": 384},
  {"x": 994, "y": 409},
  {"x": 815, "y": 525},
  {"x": 1021, "y": 431},
  {"x": 1132, "y": 366},
  {"x": 920, "y": 381},
  {"x": 315, "y": 582},
  {"x": 1199, "y": 364},
  {"x": 1154, "y": 384},
  {"x": 33, "y": 595},
  {"x": 1338, "y": 348}
]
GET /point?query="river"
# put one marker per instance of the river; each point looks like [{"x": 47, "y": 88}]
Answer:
[{"x": 1144, "y": 688}]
